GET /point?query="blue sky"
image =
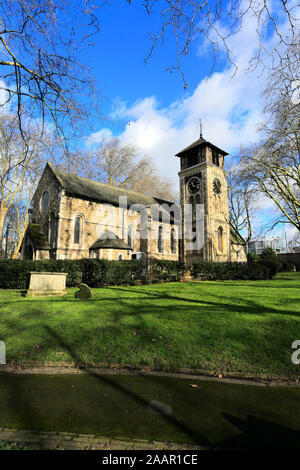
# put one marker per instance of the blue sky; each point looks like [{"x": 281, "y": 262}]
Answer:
[
  {"x": 118, "y": 58},
  {"x": 137, "y": 95},
  {"x": 149, "y": 107}
]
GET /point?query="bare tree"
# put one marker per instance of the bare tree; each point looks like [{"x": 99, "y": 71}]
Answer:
[
  {"x": 273, "y": 165},
  {"x": 40, "y": 75},
  {"x": 242, "y": 197},
  {"x": 118, "y": 164},
  {"x": 20, "y": 163},
  {"x": 294, "y": 242},
  {"x": 217, "y": 21}
]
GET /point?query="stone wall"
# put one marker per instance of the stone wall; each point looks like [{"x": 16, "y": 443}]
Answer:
[
  {"x": 111, "y": 254},
  {"x": 217, "y": 215},
  {"x": 216, "y": 212},
  {"x": 50, "y": 217},
  {"x": 238, "y": 253},
  {"x": 97, "y": 218}
]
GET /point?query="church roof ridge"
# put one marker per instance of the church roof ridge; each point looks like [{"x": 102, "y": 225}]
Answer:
[
  {"x": 101, "y": 191},
  {"x": 236, "y": 237}
]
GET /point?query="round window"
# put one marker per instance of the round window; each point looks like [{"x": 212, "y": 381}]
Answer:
[{"x": 45, "y": 201}]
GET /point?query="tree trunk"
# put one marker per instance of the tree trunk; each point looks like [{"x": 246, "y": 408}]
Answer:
[
  {"x": 15, "y": 254},
  {"x": 3, "y": 213}
]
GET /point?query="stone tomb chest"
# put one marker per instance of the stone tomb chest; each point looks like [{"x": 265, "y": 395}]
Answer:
[{"x": 42, "y": 283}]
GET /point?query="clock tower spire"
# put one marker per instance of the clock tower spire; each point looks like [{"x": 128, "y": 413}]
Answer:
[{"x": 204, "y": 201}]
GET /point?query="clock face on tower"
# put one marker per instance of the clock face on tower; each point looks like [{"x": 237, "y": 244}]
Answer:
[
  {"x": 194, "y": 185},
  {"x": 217, "y": 187}
]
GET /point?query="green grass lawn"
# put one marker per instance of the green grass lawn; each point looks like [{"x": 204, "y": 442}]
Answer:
[{"x": 220, "y": 327}]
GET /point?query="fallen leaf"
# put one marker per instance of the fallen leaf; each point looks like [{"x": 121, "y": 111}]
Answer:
[
  {"x": 194, "y": 385},
  {"x": 220, "y": 376},
  {"x": 134, "y": 333}
]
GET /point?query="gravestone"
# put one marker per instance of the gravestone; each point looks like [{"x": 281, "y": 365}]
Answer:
[
  {"x": 47, "y": 283},
  {"x": 84, "y": 292}
]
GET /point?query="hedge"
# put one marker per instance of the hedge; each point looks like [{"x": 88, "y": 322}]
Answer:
[
  {"x": 263, "y": 266},
  {"x": 98, "y": 273},
  {"x": 166, "y": 271},
  {"x": 229, "y": 271},
  {"x": 14, "y": 274}
]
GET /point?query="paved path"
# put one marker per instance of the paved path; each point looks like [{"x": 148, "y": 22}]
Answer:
[
  {"x": 72, "y": 441},
  {"x": 123, "y": 408},
  {"x": 190, "y": 374}
]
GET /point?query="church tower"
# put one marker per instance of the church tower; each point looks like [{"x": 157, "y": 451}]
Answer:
[{"x": 203, "y": 195}]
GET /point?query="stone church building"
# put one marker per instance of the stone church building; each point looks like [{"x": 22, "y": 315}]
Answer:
[{"x": 73, "y": 218}]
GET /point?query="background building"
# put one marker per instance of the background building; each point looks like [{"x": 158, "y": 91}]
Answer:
[{"x": 258, "y": 246}]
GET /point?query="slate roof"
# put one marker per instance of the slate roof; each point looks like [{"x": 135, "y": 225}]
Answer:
[
  {"x": 93, "y": 190},
  {"x": 201, "y": 142},
  {"x": 110, "y": 240},
  {"x": 38, "y": 237},
  {"x": 236, "y": 237}
]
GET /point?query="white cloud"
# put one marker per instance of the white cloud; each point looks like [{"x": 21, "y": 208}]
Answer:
[
  {"x": 230, "y": 109},
  {"x": 229, "y": 105},
  {"x": 97, "y": 137}
]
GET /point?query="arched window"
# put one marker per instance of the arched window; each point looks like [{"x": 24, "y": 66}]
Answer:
[
  {"x": 173, "y": 241},
  {"x": 220, "y": 239},
  {"x": 77, "y": 227},
  {"x": 160, "y": 241},
  {"x": 215, "y": 158},
  {"x": 120, "y": 257},
  {"x": 45, "y": 201},
  {"x": 51, "y": 229}
]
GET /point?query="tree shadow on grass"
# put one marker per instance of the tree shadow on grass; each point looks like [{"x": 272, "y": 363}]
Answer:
[
  {"x": 260, "y": 434},
  {"x": 249, "y": 428},
  {"x": 193, "y": 434},
  {"x": 248, "y": 307}
]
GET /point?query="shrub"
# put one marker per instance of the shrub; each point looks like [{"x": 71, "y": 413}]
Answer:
[
  {"x": 14, "y": 274},
  {"x": 165, "y": 270},
  {"x": 270, "y": 260},
  {"x": 252, "y": 258},
  {"x": 98, "y": 273},
  {"x": 229, "y": 271}
]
